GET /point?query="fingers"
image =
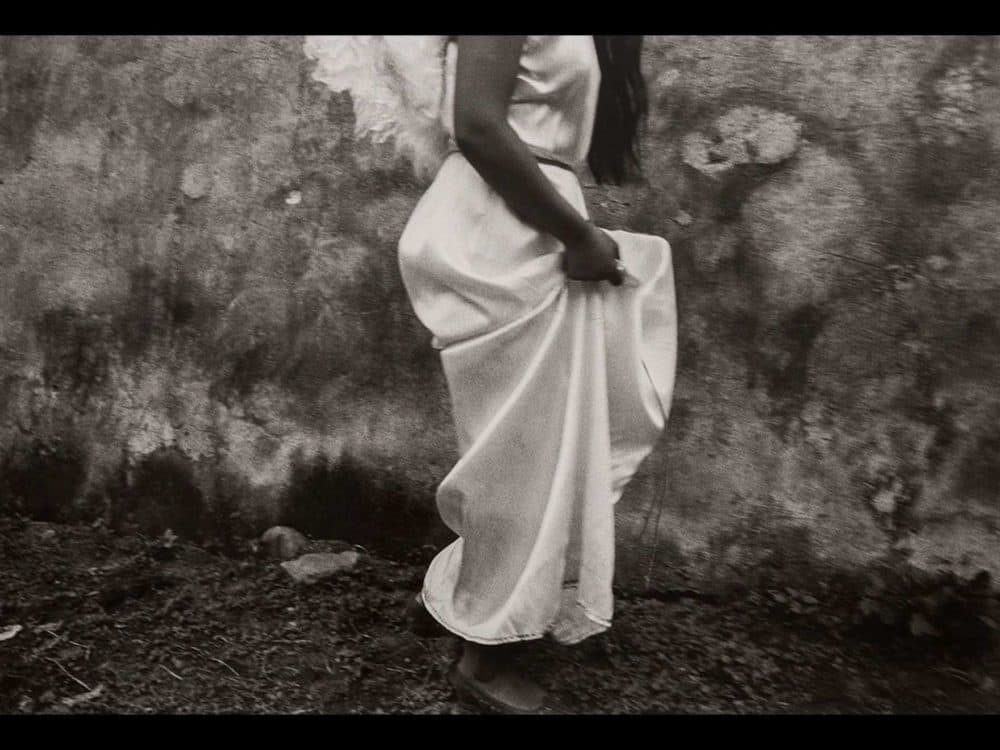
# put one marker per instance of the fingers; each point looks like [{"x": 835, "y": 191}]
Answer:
[
  {"x": 576, "y": 268},
  {"x": 617, "y": 277}
]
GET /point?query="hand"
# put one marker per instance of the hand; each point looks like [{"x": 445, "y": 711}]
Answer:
[{"x": 593, "y": 257}]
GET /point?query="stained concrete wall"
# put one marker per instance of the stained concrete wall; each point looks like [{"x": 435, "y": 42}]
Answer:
[{"x": 202, "y": 324}]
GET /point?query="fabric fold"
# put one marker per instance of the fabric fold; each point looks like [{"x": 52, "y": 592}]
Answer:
[{"x": 554, "y": 413}]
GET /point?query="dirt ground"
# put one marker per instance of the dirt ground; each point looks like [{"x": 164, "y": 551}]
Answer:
[{"x": 97, "y": 622}]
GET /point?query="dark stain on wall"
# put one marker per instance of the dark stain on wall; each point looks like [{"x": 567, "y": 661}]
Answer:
[
  {"x": 42, "y": 478},
  {"x": 161, "y": 493},
  {"x": 980, "y": 469},
  {"x": 24, "y": 108},
  {"x": 347, "y": 499},
  {"x": 76, "y": 352},
  {"x": 780, "y": 355},
  {"x": 766, "y": 548}
]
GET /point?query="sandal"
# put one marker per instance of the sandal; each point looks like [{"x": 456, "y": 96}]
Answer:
[{"x": 469, "y": 689}]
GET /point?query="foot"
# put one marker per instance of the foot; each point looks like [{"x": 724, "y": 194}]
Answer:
[{"x": 493, "y": 680}]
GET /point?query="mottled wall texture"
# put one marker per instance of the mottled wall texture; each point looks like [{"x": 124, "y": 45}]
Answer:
[{"x": 202, "y": 324}]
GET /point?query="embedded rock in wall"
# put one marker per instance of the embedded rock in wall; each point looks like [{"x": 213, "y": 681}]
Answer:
[{"x": 743, "y": 135}]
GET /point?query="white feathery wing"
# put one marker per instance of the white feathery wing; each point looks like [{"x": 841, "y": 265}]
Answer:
[{"x": 396, "y": 84}]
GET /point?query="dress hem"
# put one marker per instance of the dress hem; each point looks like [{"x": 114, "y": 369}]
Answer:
[{"x": 604, "y": 625}]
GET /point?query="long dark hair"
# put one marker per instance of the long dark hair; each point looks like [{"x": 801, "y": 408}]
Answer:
[{"x": 621, "y": 107}]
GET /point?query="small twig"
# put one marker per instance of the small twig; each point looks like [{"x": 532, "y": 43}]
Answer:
[
  {"x": 78, "y": 681},
  {"x": 167, "y": 670},
  {"x": 656, "y": 525},
  {"x": 957, "y": 673},
  {"x": 136, "y": 706},
  {"x": 225, "y": 665},
  {"x": 85, "y": 648},
  {"x": 88, "y": 696},
  {"x": 49, "y": 644},
  {"x": 401, "y": 670}
]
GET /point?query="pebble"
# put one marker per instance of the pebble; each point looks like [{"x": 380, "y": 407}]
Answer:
[
  {"x": 683, "y": 218},
  {"x": 282, "y": 542},
  {"x": 317, "y": 566}
]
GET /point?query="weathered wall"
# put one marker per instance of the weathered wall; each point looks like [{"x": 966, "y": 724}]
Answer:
[{"x": 201, "y": 318}]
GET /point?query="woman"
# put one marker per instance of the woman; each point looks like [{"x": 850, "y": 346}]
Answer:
[{"x": 559, "y": 361}]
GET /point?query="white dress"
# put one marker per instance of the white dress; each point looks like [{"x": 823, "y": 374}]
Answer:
[{"x": 559, "y": 388}]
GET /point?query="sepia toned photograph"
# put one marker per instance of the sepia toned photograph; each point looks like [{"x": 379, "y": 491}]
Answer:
[{"x": 499, "y": 374}]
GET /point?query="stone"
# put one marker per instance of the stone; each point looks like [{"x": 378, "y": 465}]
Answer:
[
  {"x": 178, "y": 89},
  {"x": 317, "y": 566},
  {"x": 885, "y": 501},
  {"x": 282, "y": 542},
  {"x": 938, "y": 263},
  {"x": 196, "y": 181},
  {"x": 9, "y": 632},
  {"x": 683, "y": 218},
  {"x": 744, "y": 135}
]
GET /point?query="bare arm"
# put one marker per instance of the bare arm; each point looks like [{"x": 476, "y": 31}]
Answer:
[{"x": 485, "y": 78}]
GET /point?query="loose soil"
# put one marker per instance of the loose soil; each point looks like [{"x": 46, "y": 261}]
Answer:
[{"x": 114, "y": 623}]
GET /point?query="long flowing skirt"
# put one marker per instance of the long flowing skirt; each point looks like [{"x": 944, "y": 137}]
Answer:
[{"x": 559, "y": 390}]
